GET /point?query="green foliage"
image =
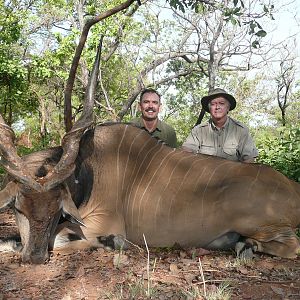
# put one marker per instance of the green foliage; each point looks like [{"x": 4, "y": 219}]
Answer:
[
  {"x": 232, "y": 13},
  {"x": 55, "y": 63},
  {"x": 16, "y": 98},
  {"x": 182, "y": 122},
  {"x": 184, "y": 104},
  {"x": 10, "y": 24},
  {"x": 281, "y": 151},
  {"x": 181, "y": 5},
  {"x": 2, "y": 174},
  {"x": 256, "y": 29}
]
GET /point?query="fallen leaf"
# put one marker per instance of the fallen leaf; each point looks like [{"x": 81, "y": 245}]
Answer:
[
  {"x": 278, "y": 291},
  {"x": 264, "y": 264},
  {"x": 187, "y": 261},
  {"x": 14, "y": 266},
  {"x": 182, "y": 254},
  {"x": 174, "y": 269},
  {"x": 243, "y": 270},
  {"x": 120, "y": 260},
  {"x": 189, "y": 278},
  {"x": 80, "y": 272}
]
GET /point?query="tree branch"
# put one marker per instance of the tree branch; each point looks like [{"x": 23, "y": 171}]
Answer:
[{"x": 71, "y": 79}]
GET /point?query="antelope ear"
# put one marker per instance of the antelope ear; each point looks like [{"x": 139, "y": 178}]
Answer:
[
  {"x": 69, "y": 209},
  {"x": 8, "y": 194}
]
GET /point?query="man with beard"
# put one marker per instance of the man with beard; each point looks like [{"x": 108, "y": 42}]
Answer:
[
  {"x": 149, "y": 106},
  {"x": 221, "y": 136}
]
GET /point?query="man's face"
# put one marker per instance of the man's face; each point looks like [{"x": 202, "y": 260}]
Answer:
[
  {"x": 219, "y": 107},
  {"x": 150, "y": 106}
]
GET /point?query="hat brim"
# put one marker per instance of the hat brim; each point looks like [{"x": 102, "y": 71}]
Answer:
[{"x": 205, "y": 100}]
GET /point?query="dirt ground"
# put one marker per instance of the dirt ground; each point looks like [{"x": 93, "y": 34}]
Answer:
[{"x": 131, "y": 274}]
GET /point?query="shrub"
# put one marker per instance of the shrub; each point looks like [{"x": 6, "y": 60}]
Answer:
[{"x": 281, "y": 151}]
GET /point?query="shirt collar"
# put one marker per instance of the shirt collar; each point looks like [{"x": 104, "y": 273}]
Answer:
[
  {"x": 216, "y": 128},
  {"x": 158, "y": 126}
]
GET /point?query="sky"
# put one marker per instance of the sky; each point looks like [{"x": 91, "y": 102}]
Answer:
[
  {"x": 287, "y": 25},
  {"x": 289, "y": 18}
]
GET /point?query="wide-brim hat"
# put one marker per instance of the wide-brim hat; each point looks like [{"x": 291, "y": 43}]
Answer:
[{"x": 215, "y": 94}]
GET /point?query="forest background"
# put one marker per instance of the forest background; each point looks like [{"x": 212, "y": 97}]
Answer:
[{"x": 182, "y": 48}]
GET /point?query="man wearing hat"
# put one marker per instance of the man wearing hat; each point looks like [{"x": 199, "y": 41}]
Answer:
[{"x": 221, "y": 136}]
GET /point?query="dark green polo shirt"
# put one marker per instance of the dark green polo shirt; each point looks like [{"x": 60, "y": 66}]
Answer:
[{"x": 163, "y": 131}]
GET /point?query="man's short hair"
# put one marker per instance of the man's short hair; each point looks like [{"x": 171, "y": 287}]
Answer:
[{"x": 153, "y": 91}]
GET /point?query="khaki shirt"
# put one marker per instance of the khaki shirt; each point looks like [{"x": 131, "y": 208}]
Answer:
[
  {"x": 232, "y": 142},
  {"x": 163, "y": 131}
]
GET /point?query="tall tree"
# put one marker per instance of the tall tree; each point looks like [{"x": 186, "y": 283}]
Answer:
[
  {"x": 84, "y": 33},
  {"x": 284, "y": 81},
  {"x": 209, "y": 40},
  {"x": 13, "y": 74},
  {"x": 218, "y": 42}
]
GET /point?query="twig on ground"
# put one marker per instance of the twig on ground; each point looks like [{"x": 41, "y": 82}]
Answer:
[
  {"x": 136, "y": 246},
  {"x": 148, "y": 266},
  {"x": 202, "y": 276}
]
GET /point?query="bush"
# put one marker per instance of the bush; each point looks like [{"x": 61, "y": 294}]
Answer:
[{"x": 282, "y": 152}]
